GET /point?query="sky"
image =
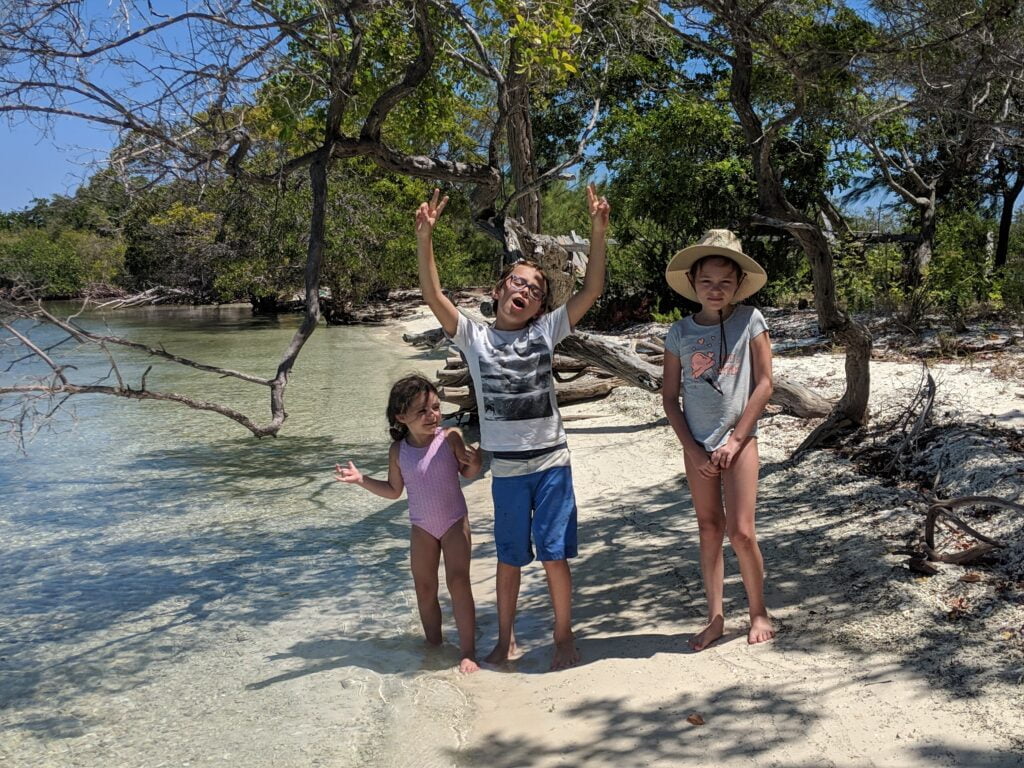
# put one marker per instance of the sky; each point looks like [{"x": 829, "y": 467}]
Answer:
[{"x": 38, "y": 165}]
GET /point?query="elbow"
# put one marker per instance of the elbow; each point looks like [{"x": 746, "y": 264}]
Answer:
[{"x": 669, "y": 403}]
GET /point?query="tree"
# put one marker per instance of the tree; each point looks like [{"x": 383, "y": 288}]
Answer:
[
  {"x": 260, "y": 92},
  {"x": 940, "y": 101},
  {"x": 796, "y": 55}
]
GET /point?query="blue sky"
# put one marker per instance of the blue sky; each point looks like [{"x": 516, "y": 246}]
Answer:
[{"x": 38, "y": 165}]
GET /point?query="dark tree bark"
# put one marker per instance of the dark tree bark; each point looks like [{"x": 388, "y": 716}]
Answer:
[
  {"x": 776, "y": 210},
  {"x": 1010, "y": 194}
]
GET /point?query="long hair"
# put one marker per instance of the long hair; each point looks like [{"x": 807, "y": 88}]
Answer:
[
  {"x": 510, "y": 268},
  {"x": 403, "y": 394}
]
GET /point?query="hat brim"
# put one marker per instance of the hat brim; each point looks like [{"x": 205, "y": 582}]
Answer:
[{"x": 676, "y": 273}]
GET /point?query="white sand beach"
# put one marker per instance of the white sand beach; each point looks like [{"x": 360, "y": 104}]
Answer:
[
  {"x": 226, "y": 603},
  {"x": 867, "y": 669}
]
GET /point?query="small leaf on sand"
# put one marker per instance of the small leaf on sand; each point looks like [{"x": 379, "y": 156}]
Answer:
[
  {"x": 695, "y": 719},
  {"x": 971, "y": 578}
]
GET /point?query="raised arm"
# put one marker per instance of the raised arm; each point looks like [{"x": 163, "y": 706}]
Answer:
[
  {"x": 389, "y": 489},
  {"x": 593, "y": 282},
  {"x": 430, "y": 286}
]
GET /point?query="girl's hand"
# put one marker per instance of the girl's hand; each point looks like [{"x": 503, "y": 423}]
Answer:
[
  {"x": 723, "y": 457},
  {"x": 599, "y": 208},
  {"x": 705, "y": 466},
  {"x": 347, "y": 474},
  {"x": 429, "y": 212}
]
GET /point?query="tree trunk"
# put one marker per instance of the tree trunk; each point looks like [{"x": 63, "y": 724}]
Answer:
[
  {"x": 924, "y": 249},
  {"x": 1010, "y": 195},
  {"x": 314, "y": 261},
  {"x": 520, "y": 144},
  {"x": 776, "y": 210}
]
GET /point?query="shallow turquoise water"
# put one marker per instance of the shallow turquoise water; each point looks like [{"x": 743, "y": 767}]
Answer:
[{"x": 138, "y": 536}]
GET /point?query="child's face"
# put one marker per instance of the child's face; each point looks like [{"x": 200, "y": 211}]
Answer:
[
  {"x": 422, "y": 416},
  {"x": 520, "y": 297},
  {"x": 715, "y": 284}
]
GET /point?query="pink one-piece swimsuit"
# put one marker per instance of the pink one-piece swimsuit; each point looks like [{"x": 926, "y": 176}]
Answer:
[{"x": 431, "y": 474}]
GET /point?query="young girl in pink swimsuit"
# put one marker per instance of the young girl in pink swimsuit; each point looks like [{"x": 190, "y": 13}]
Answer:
[{"x": 427, "y": 459}]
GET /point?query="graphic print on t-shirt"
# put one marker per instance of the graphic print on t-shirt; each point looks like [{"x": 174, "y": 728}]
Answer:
[
  {"x": 702, "y": 363},
  {"x": 518, "y": 386}
]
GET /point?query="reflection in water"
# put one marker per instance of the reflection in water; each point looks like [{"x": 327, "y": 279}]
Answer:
[{"x": 175, "y": 588}]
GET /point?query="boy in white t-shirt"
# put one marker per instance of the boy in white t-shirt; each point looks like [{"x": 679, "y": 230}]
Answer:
[{"x": 510, "y": 363}]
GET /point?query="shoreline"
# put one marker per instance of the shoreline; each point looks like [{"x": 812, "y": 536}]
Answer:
[{"x": 867, "y": 668}]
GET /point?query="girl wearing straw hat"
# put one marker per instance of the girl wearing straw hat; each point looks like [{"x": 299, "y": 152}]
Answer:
[{"x": 718, "y": 362}]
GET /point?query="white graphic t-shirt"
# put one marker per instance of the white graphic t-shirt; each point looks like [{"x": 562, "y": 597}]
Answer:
[{"x": 515, "y": 393}]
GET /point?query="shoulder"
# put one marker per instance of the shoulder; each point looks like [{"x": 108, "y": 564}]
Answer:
[
  {"x": 756, "y": 322},
  {"x": 553, "y": 320},
  {"x": 675, "y": 333},
  {"x": 395, "y": 451},
  {"x": 468, "y": 328}
]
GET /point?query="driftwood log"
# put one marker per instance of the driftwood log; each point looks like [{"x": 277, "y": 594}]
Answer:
[
  {"x": 586, "y": 388},
  {"x": 584, "y": 354}
]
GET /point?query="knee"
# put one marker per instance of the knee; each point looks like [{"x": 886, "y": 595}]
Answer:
[
  {"x": 712, "y": 527},
  {"x": 426, "y": 589},
  {"x": 457, "y": 578},
  {"x": 742, "y": 537}
]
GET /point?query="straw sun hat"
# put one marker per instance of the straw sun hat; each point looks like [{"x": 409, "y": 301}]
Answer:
[{"x": 715, "y": 242}]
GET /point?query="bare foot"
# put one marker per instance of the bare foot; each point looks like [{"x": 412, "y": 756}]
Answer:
[
  {"x": 566, "y": 653},
  {"x": 468, "y": 666},
  {"x": 709, "y": 634},
  {"x": 502, "y": 653},
  {"x": 761, "y": 629}
]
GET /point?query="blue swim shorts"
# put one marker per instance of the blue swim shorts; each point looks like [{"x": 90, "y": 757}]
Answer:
[{"x": 536, "y": 509}]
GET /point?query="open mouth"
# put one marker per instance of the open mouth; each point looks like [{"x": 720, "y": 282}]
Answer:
[{"x": 519, "y": 302}]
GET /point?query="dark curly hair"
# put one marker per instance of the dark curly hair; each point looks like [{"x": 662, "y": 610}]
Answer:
[{"x": 403, "y": 394}]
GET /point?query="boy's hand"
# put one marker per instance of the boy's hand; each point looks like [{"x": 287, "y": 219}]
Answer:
[
  {"x": 600, "y": 210},
  {"x": 428, "y": 213},
  {"x": 466, "y": 455},
  {"x": 347, "y": 474}
]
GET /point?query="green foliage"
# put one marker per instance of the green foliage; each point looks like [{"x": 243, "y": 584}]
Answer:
[
  {"x": 59, "y": 264},
  {"x": 176, "y": 244},
  {"x": 870, "y": 278},
  {"x": 960, "y": 275}
]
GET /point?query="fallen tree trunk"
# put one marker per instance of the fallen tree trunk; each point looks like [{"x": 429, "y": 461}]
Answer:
[
  {"x": 617, "y": 360},
  {"x": 583, "y": 350},
  {"x": 587, "y": 388}
]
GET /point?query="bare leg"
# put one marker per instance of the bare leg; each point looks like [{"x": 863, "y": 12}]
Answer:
[
  {"x": 560, "y": 587},
  {"x": 456, "y": 545},
  {"x": 424, "y": 557},
  {"x": 507, "y": 587},
  {"x": 740, "y": 485},
  {"x": 707, "y": 502}
]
